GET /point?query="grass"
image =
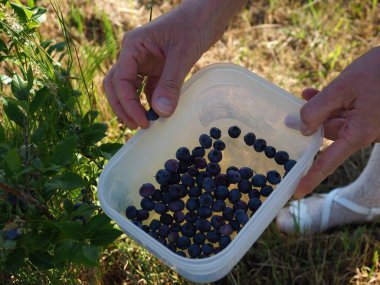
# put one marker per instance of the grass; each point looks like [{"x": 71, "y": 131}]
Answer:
[{"x": 291, "y": 43}]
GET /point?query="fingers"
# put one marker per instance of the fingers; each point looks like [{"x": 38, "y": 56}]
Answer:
[
  {"x": 309, "y": 93},
  {"x": 150, "y": 86}
]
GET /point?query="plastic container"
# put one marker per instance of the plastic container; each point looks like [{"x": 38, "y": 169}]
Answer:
[{"x": 220, "y": 95}]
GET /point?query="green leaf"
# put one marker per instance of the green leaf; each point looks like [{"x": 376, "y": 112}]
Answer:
[
  {"x": 14, "y": 113},
  {"x": 39, "y": 14},
  {"x": 83, "y": 210},
  {"x": 13, "y": 160},
  {"x": 66, "y": 181},
  {"x": 109, "y": 149},
  {"x": 100, "y": 221},
  {"x": 39, "y": 99},
  {"x": 2, "y": 134},
  {"x": 21, "y": 103},
  {"x": 15, "y": 260},
  {"x": 88, "y": 255},
  {"x": 35, "y": 241},
  {"x": 94, "y": 133},
  {"x": 68, "y": 206},
  {"x": 41, "y": 259},
  {"x": 22, "y": 12},
  {"x": 20, "y": 88},
  {"x": 63, "y": 153},
  {"x": 90, "y": 117},
  {"x": 71, "y": 230},
  {"x": 3, "y": 47},
  {"x": 58, "y": 47},
  {"x": 9, "y": 244},
  {"x": 66, "y": 251},
  {"x": 30, "y": 78},
  {"x": 105, "y": 237},
  {"x": 5, "y": 79}
]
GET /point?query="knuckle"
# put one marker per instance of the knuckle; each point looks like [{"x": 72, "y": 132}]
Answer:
[{"x": 171, "y": 85}]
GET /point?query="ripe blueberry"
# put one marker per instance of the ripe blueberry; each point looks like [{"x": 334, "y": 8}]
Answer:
[
  {"x": 202, "y": 225},
  {"x": 179, "y": 217},
  {"x": 183, "y": 167},
  {"x": 131, "y": 212},
  {"x": 241, "y": 216},
  {"x": 183, "y": 242},
  {"x": 151, "y": 115},
  {"x": 215, "y": 133},
  {"x": 208, "y": 184},
  {"x": 163, "y": 231},
  {"x": 259, "y": 180},
  {"x": 175, "y": 227},
  {"x": 234, "y": 132},
  {"x": 273, "y": 177},
  {"x": 225, "y": 230},
  {"x": 240, "y": 205},
  {"x": 192, "y": 204},
  {"x": 249, "y": 139},
  {"x": 217, "y": 221},
  {"x": 233, "y": 176},
  {"x": 157, "y": 195},
  {"x": 187, "y": 180},
  {"x": 166, "y": 219},
  {"x": 213, "y": 169},
  {"x": 142, "y": 215},
  {"x": 163, "y": 177},
  {"x": 215, "y": 156},
  {"x": 198, "y": 151},
  {"x": 221, "y": 192},
  {"x": 147, "y": 204},
  {"x": 183, "y": 154},
  {"x": 154, "y": 225},
  {"x": 281, "y": 157},
  {"x": 213, "y": 236},
  {"x": 146, "y": 190},
  {"x": 172, "y": 237},
  {"x": 254, "y": 204},
  {"x": 228, "y": 213},
  {"x": 219, "y": 145},
  {"x": 204, "y": 212},
  {"x": 266, "y": 191},
  {"x": 160, "y": 208},
  {"x": 218, "y": 205},
  {"x": 289, "y": 164},
  {"x": 193, "y": 171},
  {"x": 254, "y": 193},
  {"x": 259, "y": 145},
  {"x": 221, "y": 180},
  {"x": 200, "y": 162},
  {"x": 191, "y": 217},
  {"x": 12, "y": 234},
  {"x": 201, "y": 176},
  {"x": 235, "y": 225},
  {"x": 176, "y": 205},
  {"x": 245, "y": 185},
  {"x": 188, "y": 230},
  {"x": 205, "y": 141},
  {"x": 199, "y": 238},
  {"x": 246, "y": 172},
  {"x": 207, "y": 249},
  {"x": 194, "y": 250},
  {"x": 180, "y": 253},
  {"x": 224, "y": 241},
  {"x": 234, "y": 195},
  {"x": 195, "y": 191},
  {"x": 206, "y": 199},
  {"x": 171, "y": 165},
  {"x": 270, "y": 151}
]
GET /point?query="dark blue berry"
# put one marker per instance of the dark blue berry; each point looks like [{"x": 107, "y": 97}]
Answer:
[
  {"x": 151, "y": 115},
  {"x": 208, "y": 184},
  {"x": 219, "y": 145},
  {"x": 225, "y": 230},
  {"x": 249, "y": 139},
  {"x": 199, "y": 238},
  {"x": 241, "y": 216},
  {"x": 147, "y": 204},
  {"x": 273, "y": 177},
  {"x": 177, "y": 191},
  {"x": 246, "y": 172},
  {"x": 259, "y": 145},
  {"x": 183, "y": 154},
  {"x": 173, "y": 247},
  {"x": 160, "y": 208},
  {"x": 233, "y": 176},
  {"x": 194, "y": 250},
  {"x": 176, "y": 205},
  {"x": 195, "y": 191},
  {"x": 202, "y": 225},
  {"x": 200, "y": 162},
  {"x": 228, "y": 213},
  {"x": 142, "y": 215},
  {"x": 146, "y": 190},
  {"x": 131, "y": 212},
  {"x": 172, "y": 237},
  {"x": 259, "y": 180},
  {"x": 254, "y": 204},
  {"x": 166, "y": 219},
  {"x": 217, "y": 221},
  {"x": 154, "y": 225},
  {"x": 213, "y": 236},
  {"x": 163, "y": 177},
  {"x": 235, "y": 225},
  {"x": 205, "y": 141},
  {"x": 254, "y": 193},
  {"x": 244, "y": 186},
  {"x": 12, "y": 234},
  {"x": 221, "y": 192},
  {"x": 191, "y": 217},
  {"x": 145, "y": 228},
  {"x": 281, "y": 157},
  {"x": 215, "y": 156},
  {"x": 240, "y": 205},
  {"x": 198, "y": 152},
  {"x": 188, "y": 230},
  {"x": 163, "y": 231},
  {"x": 175, "y": 178},
  {"x": 224, "y": 241},
  {"x": 192, "y": 204},
  {"x": 218, "y": 205},
  {"x": 179, "y": 217},
  {"x": 181, "y": 253},
  {"x": 187, "y": 180},
  {"x": 157, "y": 195},
  {"x": 213, "y": 169},
  {"x": 193, "y": 171},
  {"x": 270, "y": 151},
  {"x": 234, "y": 132},
  {"x": 234, "y": 195},
  {"x": 204, "y": 212},
  {"x": 221, "y": 180},
  {"x": 154, "y": 234},
  {"x": 232, "y": 168},
  {"x": 215, "y": 133},
  {"x": 207, "y": 249},
  {"x": 289, "y": 164},
  {"x": 166, "y": 198},
  {"x": 183, "y": 167},
  {"x": 206, "y": 199},
  {"x": 171, "y": 165},
  {"x": 137, "y": 223},
  {"x": 200, "y": 177},
  {"x": 175, "y": 227},
  {"x": 266, "y": 191},
  {"x": 183, "y": 242}
]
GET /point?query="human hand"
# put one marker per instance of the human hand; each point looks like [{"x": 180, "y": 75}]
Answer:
[
  {"x": 164, "y": 51},
  {"x": 348, "y": 109}
]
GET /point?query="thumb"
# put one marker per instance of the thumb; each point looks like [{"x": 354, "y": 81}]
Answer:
[{"x": 166, "y": 94}]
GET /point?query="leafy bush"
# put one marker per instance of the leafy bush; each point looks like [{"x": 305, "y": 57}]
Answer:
[{"x": 50, "y": 151}]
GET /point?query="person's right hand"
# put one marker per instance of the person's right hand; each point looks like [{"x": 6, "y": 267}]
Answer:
[{"x": 164, "y": 51}]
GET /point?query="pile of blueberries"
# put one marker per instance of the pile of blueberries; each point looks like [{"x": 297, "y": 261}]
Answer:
[{"x": 200, "y": 208}]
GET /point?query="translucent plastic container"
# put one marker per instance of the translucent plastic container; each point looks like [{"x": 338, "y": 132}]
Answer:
[{"x": 220, "y": 95}]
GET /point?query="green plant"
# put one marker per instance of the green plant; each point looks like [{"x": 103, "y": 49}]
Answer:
[{"x": 50, "y": 152}]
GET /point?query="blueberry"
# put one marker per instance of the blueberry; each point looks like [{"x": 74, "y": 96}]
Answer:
[
  {"x": 273, "y": 177},
  {"x": 259, "y": 180},
  {"x": 164, "y": 188},
  {"x": 232, "y": 168},
  {"x": 204, "y": 212},
  {"x": 194, "y": 250},
  {"x": 224, "y": 241},
  {"x": 240, "y": 205},
  {"x": 208, "y": 184},
  {"x": 166, "y": 219},
  {"x": 192, "y": 204},
  {"x": 176, "y": 205},
  {"x": 183, "y": 154},
  {"x": 235, "y": 225},
  {"x": 259, "y": 145},
  {"x": 241, "y": 216},
  {"x": 154, "y": 234},
  {"x": 205, "y": 141},
  {"x": 281, "y": 157},
  {"x": 289, "y": 164},
  {"x": 177, "y": 191},
  {"x": 188, "y": 230},
  {"x": 187, "y": 180},
  {"x": 246, "y": 172},
  {"x": 218, "y": 205},
  {"x": 166, "y": 198},
  {"x": 171, "y": 165},
  {"x": 221, "y": 180},
  {"x": 142, "y": 215},
  {"x": 215, "y": 133},
  {"x": 147, "y": 203},
  {"x": 254, "y": 204},
  {"x": 213, "y": 169},
  {"x": 270, "y": 151},
  {"x": 146, "y": 190},
  {"x": 154, "y": 225},
  {"x": 195, "y": 191},
  {"x": 234, "y": 132},
  {"x": 266, "y": 191},
  {"x": 202, "y": 225},
  {"x": 12, "y": 234},
  {"x": 233, "y": 176},
  {"x": 199, "y": 238},
  {"x": 131, "y": 212},
  {"x": 183, "y": 242},
  {"x": 249, "y": 139},
  {"x": 157, "y": 195},
  {"x": 200, "y": 162},
  {"x": 217, "y": 221},
  {"x": 200, "y": 177},
  {"x": 254, "y": 193},
  {"x": 191, "y": 217},
  {"x": 173, "y": 247},
  {"x": 225, "y": 230},
  {"x": 179, "y": 217},
  {"x": 206, "y": 199},
  {"x": 234, "y": 195},
  {"x": 213, "y": 236},
  {"x": 219, "y": 145},
  {"x": 172, "y": 237},
  {"x": 228, "y": 213},
  {"x": 215, "y": 156},
  {"x": 245, "y": 185},
  {"x": 193, "y": 171},
  {"x": 163, "y": 177},
  {"x": 198, "y": 152},
  {"x": 175, "y": 227},
  {"x": 151, "y": 115},
  {"x": 207, "y": 249},
  {"x": 160, "y": 208},
  {"x": 137, "y": 223},
  {"x": 221, "y": 192},
  {"x": 181, "y": 253},
  {"x": 163, "y": 231},
  {"x": 175, "y": 178}
]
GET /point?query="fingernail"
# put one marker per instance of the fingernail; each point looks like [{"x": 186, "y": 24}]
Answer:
[
  {"x": 305, "y": 129},
  {"x": 164, "y": 105}
]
